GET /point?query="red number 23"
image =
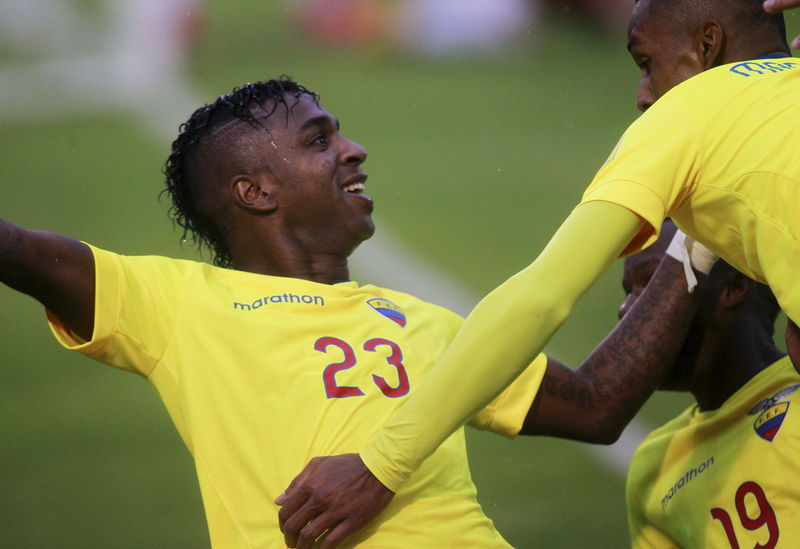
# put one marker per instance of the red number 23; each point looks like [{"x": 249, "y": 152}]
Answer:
[{"x": 395, "y": 358}]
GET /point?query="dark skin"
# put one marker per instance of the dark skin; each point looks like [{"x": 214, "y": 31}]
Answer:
[
  {"x": 668, "y": 50},
  {"x": 286, "y": 204},
  {"x": 730, "y": 339},
  {"x": 291, "y": 214},
  {"x": 595, "y": 402},
  {"x": 793, "y": 343}
]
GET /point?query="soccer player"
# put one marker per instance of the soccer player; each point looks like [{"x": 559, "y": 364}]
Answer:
[
  {"x": 273, "y": 355},
  {"x": 716, "y": 150},
  {"x": 724, "y": 473}
]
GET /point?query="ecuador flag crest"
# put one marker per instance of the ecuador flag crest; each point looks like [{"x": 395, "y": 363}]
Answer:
[
  {"x": 771, "y": 412},
  {"x": 769, "y": 421},
  {"x": 388, "y": 309}
]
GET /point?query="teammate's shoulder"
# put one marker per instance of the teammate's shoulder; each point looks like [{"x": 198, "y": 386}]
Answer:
[{"x": 754, "y": 72}]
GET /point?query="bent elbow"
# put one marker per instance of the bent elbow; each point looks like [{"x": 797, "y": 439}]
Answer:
[
  {"x": 605, "y": 430},
  {"x": 607, "y": 438}
]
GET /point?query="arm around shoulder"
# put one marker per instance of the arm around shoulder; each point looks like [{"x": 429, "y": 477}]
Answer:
[{"x": 56, "y": 270}]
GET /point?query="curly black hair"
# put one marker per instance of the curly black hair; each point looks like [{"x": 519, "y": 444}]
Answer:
[{"x": 239, "y": 104}]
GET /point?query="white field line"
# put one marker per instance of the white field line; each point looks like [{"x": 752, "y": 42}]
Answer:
[{"x": 75, "y": 86}]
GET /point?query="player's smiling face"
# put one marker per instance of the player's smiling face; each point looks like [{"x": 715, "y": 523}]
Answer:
[
  {"x": 319, "y": 182},
  {"x": 664, "y": 52}
]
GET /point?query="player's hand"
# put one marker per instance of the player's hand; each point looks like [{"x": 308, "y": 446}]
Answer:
[
  {"x": 773, "y": 6},
  {"x": 793, "y": 343},
  {"x": 335, "y": 494}
]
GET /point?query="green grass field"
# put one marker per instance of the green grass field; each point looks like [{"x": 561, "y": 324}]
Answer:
[{"x": 473, "y": 163}]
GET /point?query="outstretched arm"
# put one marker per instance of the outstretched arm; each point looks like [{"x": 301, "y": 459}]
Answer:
[
  {"x": 501, "y": 337},
  {"x": 773, "y": 6},
  {"x": 55, "y": 270},
  {"x": 597, "y": 401}
]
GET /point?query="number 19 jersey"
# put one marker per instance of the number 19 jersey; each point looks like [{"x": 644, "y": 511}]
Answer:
[
  {"x": 262, "y": 373},
  {"x": 725, "y": 478}
]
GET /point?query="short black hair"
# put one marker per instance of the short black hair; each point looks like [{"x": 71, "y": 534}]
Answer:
[
  {"x": 182, "y": 187},
  {"x": 744, "y": 12}
]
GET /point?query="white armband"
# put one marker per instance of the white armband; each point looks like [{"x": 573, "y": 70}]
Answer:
[{"x": 693, "y": 255}]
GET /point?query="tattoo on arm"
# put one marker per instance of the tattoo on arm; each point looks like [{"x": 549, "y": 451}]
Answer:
[
  {"x": 568, "y": 388},
  {"x": 607, "y": 390}
]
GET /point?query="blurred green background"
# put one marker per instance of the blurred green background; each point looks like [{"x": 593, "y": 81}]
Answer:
[{"x": 473, "y": 163}]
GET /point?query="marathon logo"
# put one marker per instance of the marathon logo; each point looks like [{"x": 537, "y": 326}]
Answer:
[{"x": 306, "y": 299}]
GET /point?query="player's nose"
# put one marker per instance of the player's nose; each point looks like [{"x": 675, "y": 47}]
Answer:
[
  {"x": 644, "y": 95},
  {"x": 353, "y": 153}
]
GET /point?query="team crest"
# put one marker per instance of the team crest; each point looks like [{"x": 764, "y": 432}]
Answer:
[
  {"x": 388, "y": 309},
  {"x": 771, "y": 413}
]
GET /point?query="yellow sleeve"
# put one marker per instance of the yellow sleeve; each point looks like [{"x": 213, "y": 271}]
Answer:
[
  {"x": 654, "y": 167},
  {"x": 137, "y": 300},
  {"x": 502, "y": 335},
  {"x": 506, "y": 414}
]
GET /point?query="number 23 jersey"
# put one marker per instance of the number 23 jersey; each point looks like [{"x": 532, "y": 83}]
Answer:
[
  {"x": 262, "y": 373},
  {"x": 723, "y": 478}
]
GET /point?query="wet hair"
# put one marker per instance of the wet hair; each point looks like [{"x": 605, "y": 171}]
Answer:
[
  {"x": 198, "y": 140},
  {"x": 748, "y": 14}
]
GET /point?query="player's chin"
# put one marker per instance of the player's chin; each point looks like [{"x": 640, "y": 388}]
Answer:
[
  {"x": 366, "y": 228},
  {"x": 361, "y": 222}
]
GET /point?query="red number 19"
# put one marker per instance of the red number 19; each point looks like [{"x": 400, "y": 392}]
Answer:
[{"x": 766, "y": 516}]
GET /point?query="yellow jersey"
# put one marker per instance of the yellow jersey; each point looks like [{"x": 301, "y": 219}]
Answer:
[
  {"x": 262, "y": 373},
  {"x": 723, "y": 478},
  {"x": 720, "y": 154}
]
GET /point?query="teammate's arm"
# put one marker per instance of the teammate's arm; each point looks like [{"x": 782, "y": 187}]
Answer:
[
  {"x": 773, "y": 6},
  {"x": 595, "y": 402},
  {"x": 499, "y": 339},
  {"x": 53, "y": 269}
]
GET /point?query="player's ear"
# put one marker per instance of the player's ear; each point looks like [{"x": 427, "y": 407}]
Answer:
[
  {"x": 712, "y": 44},
  {"x": 254, "y": 192},
  {"x": 737, "y": 288}
]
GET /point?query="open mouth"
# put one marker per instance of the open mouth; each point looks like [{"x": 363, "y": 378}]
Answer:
[
  {"x": 357, "y": 187},
  {"x": 355, "y": 184}
]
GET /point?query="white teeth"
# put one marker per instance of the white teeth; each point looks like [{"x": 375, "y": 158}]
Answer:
[{"x": 354, "y": 187}]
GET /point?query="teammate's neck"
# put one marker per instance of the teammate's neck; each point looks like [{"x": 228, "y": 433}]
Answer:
[{"x": 736, "y": 361}]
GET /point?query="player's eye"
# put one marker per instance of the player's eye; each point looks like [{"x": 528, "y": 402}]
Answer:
[{"x": 318, "y": 139}]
